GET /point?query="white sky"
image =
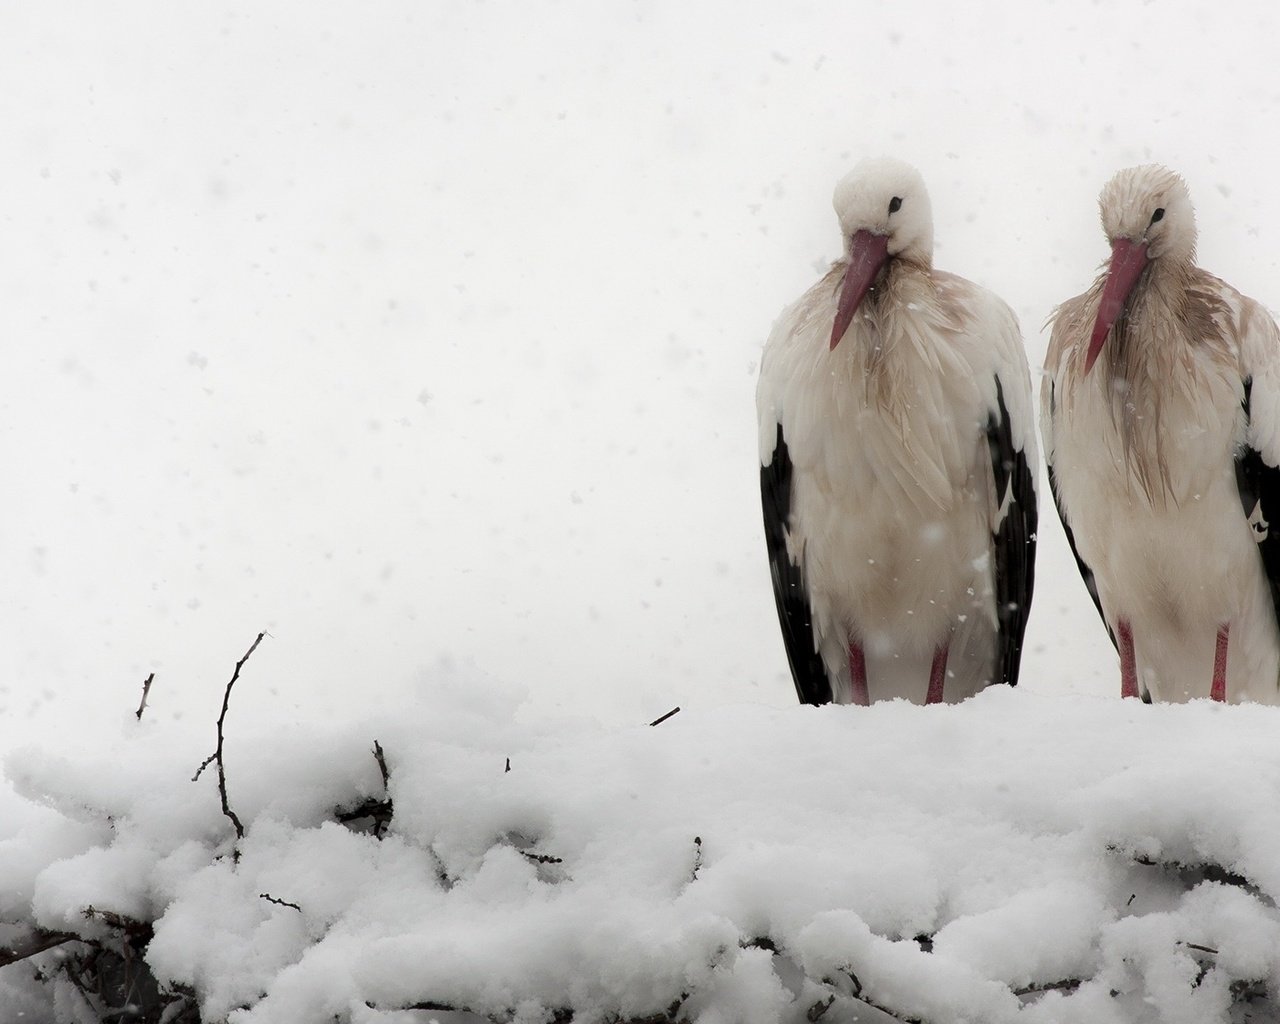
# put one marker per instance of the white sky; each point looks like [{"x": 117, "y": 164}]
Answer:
[{"x": 424, "y": 335}]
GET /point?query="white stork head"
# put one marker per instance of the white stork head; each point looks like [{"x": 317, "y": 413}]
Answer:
[
  {"x": 1147, "y": 216},
  {"x": 884, "y": 215}
]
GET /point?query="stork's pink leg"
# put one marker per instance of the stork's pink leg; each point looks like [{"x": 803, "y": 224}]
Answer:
[
  {"x": 1128, "y": 664},
  {"x": 937, "y": 674},
  {"x": 858, "y": 674},
  {"x": 1218, "y": 691}
]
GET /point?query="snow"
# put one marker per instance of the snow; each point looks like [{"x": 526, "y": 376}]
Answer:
[
  {"x": 425, "y": 337},
  {"x": 747, "y": 862}
]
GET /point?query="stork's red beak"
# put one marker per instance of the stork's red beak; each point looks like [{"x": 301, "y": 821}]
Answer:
[
  {"x": 867, "y": 254},
  {"x": 1128, "y": 260}
]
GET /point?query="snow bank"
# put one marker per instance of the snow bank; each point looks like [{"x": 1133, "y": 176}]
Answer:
[{"x": 1047, "y": 859}]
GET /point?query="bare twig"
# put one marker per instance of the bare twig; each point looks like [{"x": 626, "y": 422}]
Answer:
[
  {"x": 216, "y": 756},
  {"x": 279, "y": 903},
  {"x": 541, "y": 858},
  {"x": 659, "y": 721},
  {"x": 146, "y": 689},
  {"x": 382, "y": 763},
  {"x": 860, "y": 996},
  {"x": 130, "y": 926},
  {"x": 379, "y": 810},
  {"x": 1206, "y": 871},
  {"x": 1065, "y": 985},
  {"x": 697, "y": 858},
  {"x": 37, "y": 942}
]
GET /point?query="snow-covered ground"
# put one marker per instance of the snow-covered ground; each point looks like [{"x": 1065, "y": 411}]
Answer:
[{"x": 424, "y": 336}]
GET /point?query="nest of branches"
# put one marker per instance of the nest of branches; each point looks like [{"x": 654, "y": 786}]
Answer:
[{"x": 104, "y": 970}]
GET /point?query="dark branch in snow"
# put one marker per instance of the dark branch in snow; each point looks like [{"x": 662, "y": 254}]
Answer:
[
  {"x": 1065, "y": 985},
  {"x": 1205, "y": 872},
  {"x": 560, "y": 1015},
  {"x": 130, "y": 926},
  {"x": 697, "y": 858},
  {"x": 37, "y": 942},
  {"x": 659, "y": 721},
  {"x": 1243, "y": 991},
  {"x": 541, "y": 858},
  {"x": 508, "y": 767},
  {"x": 146, "y": 689},
  {"x": 379, "y": 811},
  {"x": 442, "y": 875},
  {"x": 279, "y": 903},
  {"x": 216, "y": 756},
  {"x": 113, "y": 978},
  {"x": 857, "y": 995}
]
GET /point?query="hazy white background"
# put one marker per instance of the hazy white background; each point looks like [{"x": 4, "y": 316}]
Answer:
[{"x": 424, "y": 334}]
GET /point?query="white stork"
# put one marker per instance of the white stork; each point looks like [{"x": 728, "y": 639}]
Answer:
[
  {"x": 1160, "y": 411},
  {"x": 898, "y": 464}
]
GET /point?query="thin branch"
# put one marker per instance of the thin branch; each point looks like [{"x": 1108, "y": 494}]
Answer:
[
  {"x": 659, "y": 721},
  {"x": 129, "y": 925},
  {"x": 279, "y": 903},
  {"x": 216, "y": 756},
  {"x": 146, "y": 689},
  {"x": 1065, "y": 985},
  {"x": 380, "y": 810},
  {"x": 697, "y": 858},
  {"x": 382, "y": 764},
  {"x": 1208, "y": 871},
  {"x": 858, "y": 995},
  {"x": 36, "y": 942},
  {"x": 541, "y": 858},
  {"x": 203, "y": 765}
]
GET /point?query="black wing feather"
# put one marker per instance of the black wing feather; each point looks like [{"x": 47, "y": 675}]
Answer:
[
  {"x": 789, "y": 590},
  {"x": 1259, "y": 486},
  {"x": 1086, "y": 573},
  {"x": 1015, "y": 541}
]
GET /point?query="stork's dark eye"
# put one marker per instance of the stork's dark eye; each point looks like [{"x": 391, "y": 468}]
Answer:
[
  {"x": 895, "y": 204},
  {"x": 1158, "y": 215}
]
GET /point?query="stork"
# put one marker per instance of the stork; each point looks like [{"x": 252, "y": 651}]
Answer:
[
  {"x": 1160, "y": 411},
  {"x": 897, "y": 464}
]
